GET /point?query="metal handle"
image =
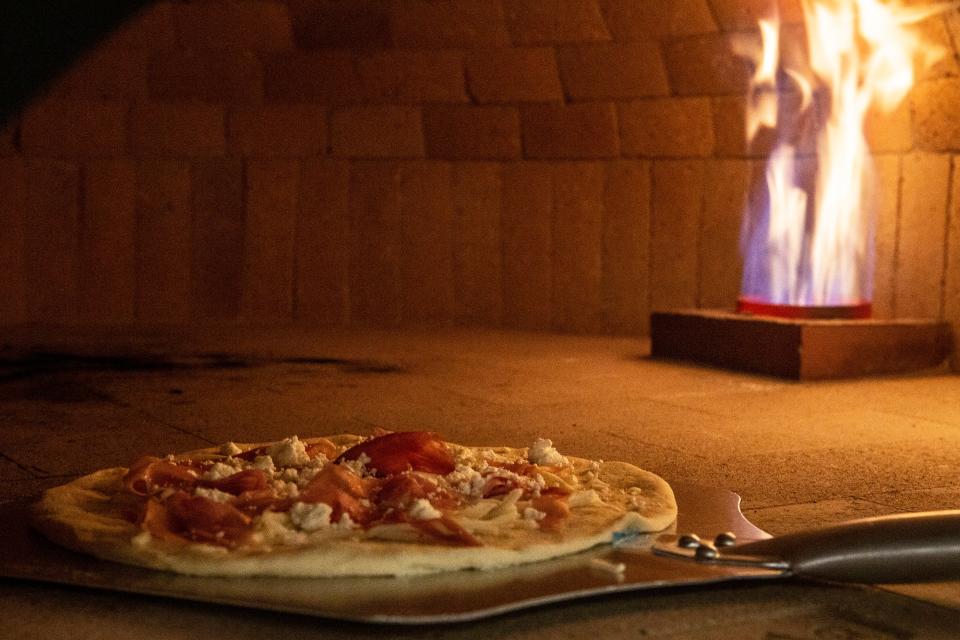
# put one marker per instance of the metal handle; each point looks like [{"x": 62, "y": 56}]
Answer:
[{"x": 889, "y": 549}]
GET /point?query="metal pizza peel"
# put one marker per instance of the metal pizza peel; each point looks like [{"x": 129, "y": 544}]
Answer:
[{"x": 711, "y": 542}]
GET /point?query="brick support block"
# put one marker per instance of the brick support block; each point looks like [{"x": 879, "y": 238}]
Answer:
[
  {"x": 65, "y": 128},
  {"x": 526, "y": 227},
  {"x": 555, "y": 21},
  {"x": 583, "y": 130},
  {"x": 799, "y": 349},
  {"x": 513, "y": 75},
  {"x": 604, "y": 71},
  {"x": 177, "y": 130},
  {"x": 667, "y": 127},
  {"x": 278, "y": 131},
  {"x": 472, "y": 132},
  {"x": 889, "y": 132},
  {"x": 106, "y": 73},
  {"x": 477, "y": 193},
  {"x": 377, "y": 132}
]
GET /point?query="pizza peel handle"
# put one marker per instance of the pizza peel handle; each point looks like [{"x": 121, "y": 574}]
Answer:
[{"x": 889, "y": 549}]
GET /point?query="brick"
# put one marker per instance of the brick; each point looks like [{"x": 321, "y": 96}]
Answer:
[
  {"x": 583, "y": 130},
  {"x": 630, "y": 20},
  {"x": 730, "y": 130},
  {"x": 244, "y": 25},
  {"x": 705, "y": 66},
  {"x": 327, "y": 77},
  {"x": 526, "y": 228},
  {"x": 477, "y": 194},
  {"x": 923, "y": 218},
  {"x": 426, "y": 242},
  {"x": 889, "y": 132},
  {"x": 149, "y": 28},
  {"x": 177, "y": 130},
  {"x": 554, "y": 21},
  {"x": 217, "y": 238},
  {"x": 935, "y": 31},
  {"x": 277, "y": 131},
  {"x": 334, "y": 24},
  {"x": 739, "y": 15},
  {"x": 51, "y": 241},
  {"x": 577, "y": 246},
  {"x": 935, "y": 125},
  {"x": 377, "y": 132},
  {"x": 667, "y": 127},
  {"x": 107, "y": 267},
  {"x": 952, "y": 284},
  {"x": 727, "y": 182},
  {"x": 323, "y": 244},
  {"x": 453, "y": 23},
  {"x": 232, "y": 77},
  {"x": 678, "y": 193},
  {"x": 272, "y": 199},
  {"x": 62, "y": 128},
  {"x": 13, "y": 221},
  {"x": 413, "y": 76},
  {"x": 625, "y": 248},
  {"x": 612, "y": 70},
  {"x": 163, "y": 241},
  {"x": 9, "y": 138},
  {"x": 513, "y": 75},
  {"x": 105, "y": 73},
  {"x": 887, "y": 213},
  {"x": 375, "y": 246},
  {"x": 462, "y": 132}
]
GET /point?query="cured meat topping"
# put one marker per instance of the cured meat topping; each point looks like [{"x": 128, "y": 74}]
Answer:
[{"x": 401, "y": 479}]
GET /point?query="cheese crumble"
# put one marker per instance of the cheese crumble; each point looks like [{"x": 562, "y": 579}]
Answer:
[
  {"x": 421, "y": 509},
  {"x": 543, "y": 452},
  {"x": 289, "y": 452}
]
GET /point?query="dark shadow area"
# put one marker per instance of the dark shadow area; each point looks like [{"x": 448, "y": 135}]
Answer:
[{"x": 39, "y": 40}]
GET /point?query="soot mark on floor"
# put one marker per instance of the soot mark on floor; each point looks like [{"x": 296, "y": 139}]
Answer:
[{"x": 57, "y": 376}]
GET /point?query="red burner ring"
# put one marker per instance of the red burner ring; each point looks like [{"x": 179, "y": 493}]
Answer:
[{"x": 752, "y": 306}]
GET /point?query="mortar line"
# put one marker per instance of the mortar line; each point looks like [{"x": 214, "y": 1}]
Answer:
[{"x": 944, "y": 273}]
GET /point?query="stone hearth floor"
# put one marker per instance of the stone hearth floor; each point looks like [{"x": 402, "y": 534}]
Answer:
[{"x": 800, "y": 455}]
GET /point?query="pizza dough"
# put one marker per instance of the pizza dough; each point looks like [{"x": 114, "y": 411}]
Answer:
[{"x": 492, "y": 514}]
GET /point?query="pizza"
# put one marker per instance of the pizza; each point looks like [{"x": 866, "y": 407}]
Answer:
[{"x": 395, "y": 503}]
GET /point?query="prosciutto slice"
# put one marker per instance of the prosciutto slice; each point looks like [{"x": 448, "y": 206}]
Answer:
[
  {"x": 240, "y": 482},
  {"x": 343, "y": 490},
  {"x": 193, "y": 518},
  {"x": 150, "y": 475},
  {"x": 395, "y": 453}
]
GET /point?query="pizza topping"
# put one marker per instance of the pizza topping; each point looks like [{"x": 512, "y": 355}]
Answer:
[
  {"x": 402, "y": 451},
  {"x": 421, "y": 509},
  {"x": 282, "y": 492},
  {"x": 289, "y": 452},
  {"x": 310, "y": 516},
  {"x": 230, "y": 449},
  {"x": 149, "y": 475},
  {"x": 542, "y": 452}
]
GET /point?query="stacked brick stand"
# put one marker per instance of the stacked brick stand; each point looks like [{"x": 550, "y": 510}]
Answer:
[{"x": 549, "y": 164}]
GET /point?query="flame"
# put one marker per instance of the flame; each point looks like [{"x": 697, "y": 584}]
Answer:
[{"x": 811, "y": 244}]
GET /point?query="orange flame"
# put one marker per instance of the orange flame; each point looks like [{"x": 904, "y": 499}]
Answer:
[{"x": 811, "y": 244}]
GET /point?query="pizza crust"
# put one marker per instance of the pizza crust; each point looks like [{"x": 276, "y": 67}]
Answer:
[{"x": 86, "y": 515}]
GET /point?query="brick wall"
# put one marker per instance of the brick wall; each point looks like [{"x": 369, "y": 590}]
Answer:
[{"x": 549, "y": 164}]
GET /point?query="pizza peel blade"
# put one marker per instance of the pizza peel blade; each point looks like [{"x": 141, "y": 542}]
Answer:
[{"x": 628, "y": 565}]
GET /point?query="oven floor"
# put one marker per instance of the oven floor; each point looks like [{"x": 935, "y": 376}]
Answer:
[{"x": 799, "y": 454}]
